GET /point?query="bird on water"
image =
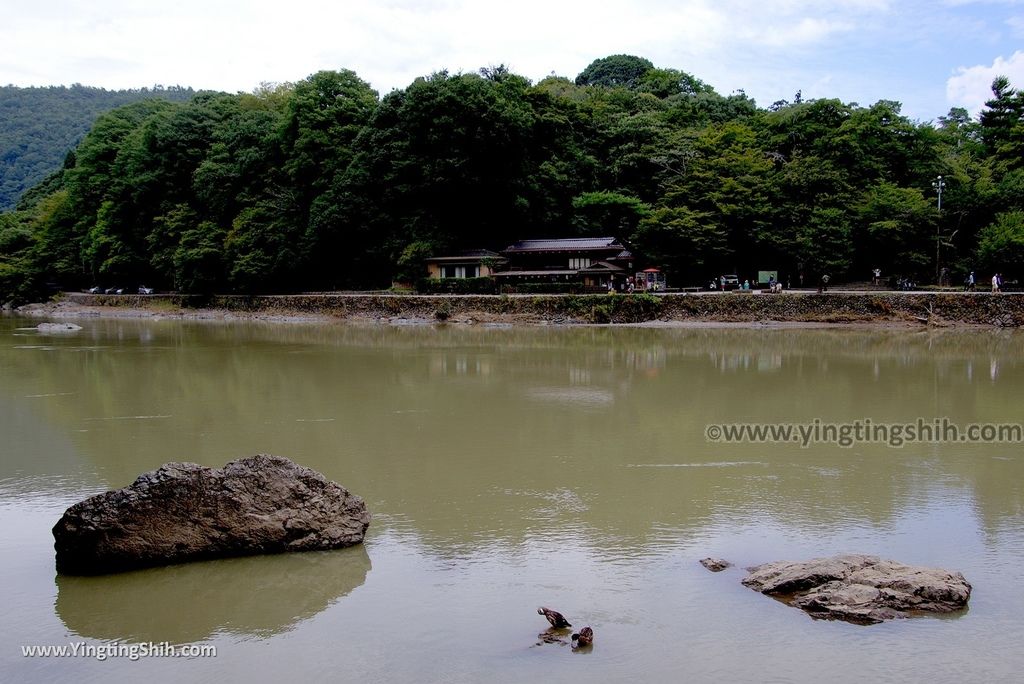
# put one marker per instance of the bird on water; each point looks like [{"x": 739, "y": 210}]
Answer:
[
  {"x": 585, "y": 637},
  {"x": 556, "y": 619}
]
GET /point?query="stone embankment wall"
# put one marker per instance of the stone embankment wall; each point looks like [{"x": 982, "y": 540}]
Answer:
[{"x": 1004, "y": 310}]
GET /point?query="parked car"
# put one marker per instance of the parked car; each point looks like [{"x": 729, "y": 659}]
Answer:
[
  {"x": 145, "y": 290},
  {"x": 110, "y": 290},
  {"x": 731, "y": 282},
  {"x": 95, "y": 289}
]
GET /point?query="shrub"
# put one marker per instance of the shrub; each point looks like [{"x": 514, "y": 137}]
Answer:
[
  {"x": 483, "y": 285},
  {"x": 601, "y": 313},
  {"x": 545, "y": 288},
  {"x": 637, "y": 307},
  {"x": 615, "y": 308}
]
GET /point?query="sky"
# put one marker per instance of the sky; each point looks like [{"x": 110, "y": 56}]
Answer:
[{"x": 930, "y": 56}]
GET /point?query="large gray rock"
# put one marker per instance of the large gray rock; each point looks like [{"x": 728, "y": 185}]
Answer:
[
  {"x": 861, "y": 589},
  {"x": 184, "y": 511}
]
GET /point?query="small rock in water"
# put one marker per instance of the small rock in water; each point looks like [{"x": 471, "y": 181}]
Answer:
[
  {"x": 58, "y": 327},
  {"x": 715, "y": 564},
  {"x": 860, "y": 588}
]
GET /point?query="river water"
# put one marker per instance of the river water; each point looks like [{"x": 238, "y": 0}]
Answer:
[{"x": 508, "y": 469}]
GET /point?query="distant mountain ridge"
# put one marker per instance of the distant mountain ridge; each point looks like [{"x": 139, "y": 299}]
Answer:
[{"x": 40, "y": 125}]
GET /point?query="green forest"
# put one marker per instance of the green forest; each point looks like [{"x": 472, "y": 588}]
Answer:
[
  {"x": 38, "y": 126},
  {"x": 322, "y": 184}
]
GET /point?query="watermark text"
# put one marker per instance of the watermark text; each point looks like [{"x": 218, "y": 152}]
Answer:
[
  {"x": 117, "y": 649},
  {"x": 866, "y": 431}
]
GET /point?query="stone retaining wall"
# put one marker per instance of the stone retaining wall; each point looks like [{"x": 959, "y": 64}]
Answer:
[{"x": 1004, "y": 310}]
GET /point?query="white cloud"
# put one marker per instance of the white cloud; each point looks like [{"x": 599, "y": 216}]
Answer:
[
  {"x": 972, "y": 86},
  {"x": 236, "y": 44},
  {"x": 870, "y": 49},
  {"x": 806, "y": 31}
]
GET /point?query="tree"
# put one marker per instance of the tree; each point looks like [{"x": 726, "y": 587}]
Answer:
[
  {"x": 666, "y": 83},
  {"x": 265, "y": 250},
  {"x": 562, "y": 161},
  {"x": 810, "y": 220},
  {"x": 640, "y": 153},
  {"x": 324, "y": 115},
  {"x": 693, "y": 112},
  {"x": 1001, "y": 118},
  {"x": 898, "y": 225},
  {"x": 878, "y": 143},
  {"x": 164, "y": 243},
  {"x": 40, "y": 125},
  {"x": 17, "y": 272},
  {"x": 804, "y": 129},
  {"x": 607, "y": 213},
  {"x": 616, "y": 71},
  {"x": 689, "y": 244},
  {"x": 321, "y": 184},
  {"x": 730, "y": 181},
  {"x": 199, "y": 259},
  {"x": 823, "y": 246},
  {"x": 100, "y": 191},
  {"x": 961, "y": 131},
  {"x": 412, "y": 263},
  {"x": 1001, "y": 244},
  {"x": 446, "y": 161}
]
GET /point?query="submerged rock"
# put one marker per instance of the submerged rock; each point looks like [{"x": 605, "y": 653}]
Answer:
[
  {"x": 58, "y": 327},
  {"x": 859, "y": 588},
  {"x": 185, "y": 511},
  {"x": 715, "y": 564}
]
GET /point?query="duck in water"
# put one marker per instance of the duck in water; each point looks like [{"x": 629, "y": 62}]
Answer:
[
  {"x": 584, "y": 638},
  {"x": 556, "y": 619}
]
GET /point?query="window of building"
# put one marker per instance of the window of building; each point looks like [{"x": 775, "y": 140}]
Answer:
[
  {"x": 460, "y": 271},
  {"x": 577, "y": 263}
]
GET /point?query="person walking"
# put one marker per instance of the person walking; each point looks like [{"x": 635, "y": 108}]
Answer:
[
  {"x": 995, "y": 283},
  {"x": 969, "y": 283}
]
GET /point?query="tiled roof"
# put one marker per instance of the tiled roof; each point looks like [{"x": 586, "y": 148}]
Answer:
[
  {"x": 564, "y": 244},
  {"x": 547, "y": 272},
  {"x": 479, "y": 253},
  {"x": 468, "y": 255},
  {"x": 602, "y": 267}
]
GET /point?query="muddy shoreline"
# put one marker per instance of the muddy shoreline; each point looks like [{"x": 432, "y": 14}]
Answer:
[{"x": 802, "y": 309}]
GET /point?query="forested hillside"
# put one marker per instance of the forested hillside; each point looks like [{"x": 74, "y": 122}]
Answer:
[
  {"x": 321, "y": 184},
  {"x": 39, "y": 126}
]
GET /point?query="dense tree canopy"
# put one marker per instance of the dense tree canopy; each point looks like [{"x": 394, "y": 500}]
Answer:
[
  {"x": 625, "y": 71},
  {"x": 39, "y": 125},
  {"x": 320, "y": 184}
]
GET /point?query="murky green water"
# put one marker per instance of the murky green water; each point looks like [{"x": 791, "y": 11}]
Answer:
[{"x": 510, "y": 468}]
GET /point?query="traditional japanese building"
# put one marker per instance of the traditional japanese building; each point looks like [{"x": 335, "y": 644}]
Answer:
[
  {"x": 590, "y": 261},
  {"x": 471, "y": 263}
]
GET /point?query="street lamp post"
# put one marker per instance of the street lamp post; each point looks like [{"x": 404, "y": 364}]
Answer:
[{"x": 938, "y": 184}]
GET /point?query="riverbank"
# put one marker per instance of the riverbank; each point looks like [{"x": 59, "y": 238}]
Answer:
[{"x": 791, "y": 308}]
